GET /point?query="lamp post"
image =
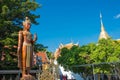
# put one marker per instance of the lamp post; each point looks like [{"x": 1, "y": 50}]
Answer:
[{"x": 93, "y": 71}]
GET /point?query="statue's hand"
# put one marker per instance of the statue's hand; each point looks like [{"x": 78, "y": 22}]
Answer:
[{"x": 35, "y": 37}]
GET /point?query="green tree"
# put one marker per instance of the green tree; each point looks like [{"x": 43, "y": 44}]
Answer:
[
  {"x": 71, "y": 58},
  {"x": 106, "y": 56},
  {"x": 39, "y": 47},
  {"x": 80, "y": 59},
  {"x": 12, "y": 13},
  {"x": 49, "y": 54}
]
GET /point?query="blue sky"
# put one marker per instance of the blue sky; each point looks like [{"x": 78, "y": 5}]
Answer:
[{"x": 63, "y": 21}]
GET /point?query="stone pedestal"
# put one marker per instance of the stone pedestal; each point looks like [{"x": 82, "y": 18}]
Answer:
[{"x": 27, "y": 77}]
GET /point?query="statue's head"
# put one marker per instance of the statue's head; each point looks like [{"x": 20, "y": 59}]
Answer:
[{"x": 27, "y": 23}]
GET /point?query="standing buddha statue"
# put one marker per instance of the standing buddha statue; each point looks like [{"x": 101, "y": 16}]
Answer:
[{"x": 25, "y": 48}]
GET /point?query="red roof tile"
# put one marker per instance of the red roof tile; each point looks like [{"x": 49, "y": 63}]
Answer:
[{"x": 43, "y": 55}]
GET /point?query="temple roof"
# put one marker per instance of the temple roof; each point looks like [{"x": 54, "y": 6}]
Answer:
[
  {"x": 68, "y": 46},
  {"x": 43, "y": 55}
]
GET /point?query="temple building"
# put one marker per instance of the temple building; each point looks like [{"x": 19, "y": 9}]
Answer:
[
  {"x": 103, "y": 35},
  {"x": 70, "y": 75},
  {"x": 68, "y": 46},
  {"x": 44, "y": 59}
]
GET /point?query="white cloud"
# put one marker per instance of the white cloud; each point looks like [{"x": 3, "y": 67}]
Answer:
[{"x": 117, "y": 16}]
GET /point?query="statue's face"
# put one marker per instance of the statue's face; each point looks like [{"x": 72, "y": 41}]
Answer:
[{"x": 27, "y": 26}]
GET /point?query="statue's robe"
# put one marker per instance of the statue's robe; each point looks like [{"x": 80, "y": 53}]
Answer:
[{"x": 25, "y": 54}]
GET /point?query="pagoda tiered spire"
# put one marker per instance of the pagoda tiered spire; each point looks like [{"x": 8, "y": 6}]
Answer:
[{"x": 103, "y": 33}]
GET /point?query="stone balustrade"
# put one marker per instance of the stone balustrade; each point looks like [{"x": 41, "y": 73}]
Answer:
[{"x": 14, "y": 74}]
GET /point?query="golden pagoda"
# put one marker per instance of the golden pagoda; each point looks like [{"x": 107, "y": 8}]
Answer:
[{"x": 103, "y": 33}]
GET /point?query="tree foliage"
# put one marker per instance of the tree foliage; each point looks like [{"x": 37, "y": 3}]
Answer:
[
  {"x": 39, "y": 47},
  {"x": 81, "y": 59},
  {"x": 12, "y": 13}
]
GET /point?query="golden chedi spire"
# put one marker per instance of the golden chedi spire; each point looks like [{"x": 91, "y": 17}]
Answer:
[{"x": 103, "y": 33}]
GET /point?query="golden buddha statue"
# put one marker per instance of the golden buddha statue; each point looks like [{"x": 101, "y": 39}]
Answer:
[{"x": 25, "y": 48}]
